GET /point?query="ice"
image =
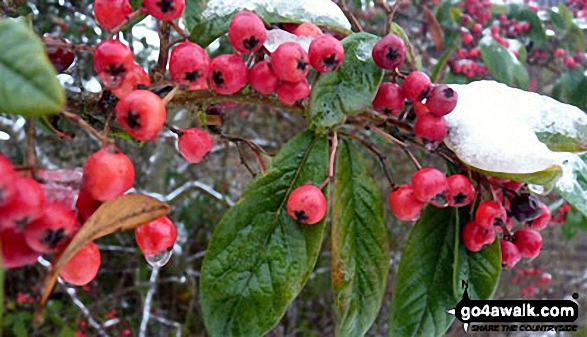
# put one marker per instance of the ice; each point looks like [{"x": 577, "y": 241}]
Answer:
[
  {"x": 277, "y": 37},
  {"x": 364, "y": 50},
  {"x": 159, "y": 260},
  {"x": 493, "y": 127}
]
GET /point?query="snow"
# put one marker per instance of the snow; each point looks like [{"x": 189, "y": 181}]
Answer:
[{"x": 277, "y": 37}]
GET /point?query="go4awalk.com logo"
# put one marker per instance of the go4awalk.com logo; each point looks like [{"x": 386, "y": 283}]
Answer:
[{"x": 520, "y": 312}]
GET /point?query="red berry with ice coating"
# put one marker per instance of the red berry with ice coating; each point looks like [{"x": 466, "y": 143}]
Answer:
[
  {"x": 189, "y": 65},
  {"x": 156, "y": 237},
  {"x": 430, "y": 185},
  {"x": 15, "y": 251},
  {"x": 228, "y": 74},
  {"x": 194, "y": 144},
  {"x": 541, "y": 221},
  {"x": 112, "y": 60},
  {"x": 460, "y": 191},
  {"x": 262, "y": 78},
  {"x": 416, "y": 86},
  {"x": 326, "y": 54},
  {"x": 289, "y": 92},
  {"x": 510, "y": 255},
  {"x": 48, "y": 232},
  {"x": 290, "y": 62},
  {"x": 308, "y": 29},
  {"x": 7, "y": 178},
  {"x": 83, "y": 267},
  {"x": 430, "y": 128},
  {"x": 111, "y": 13},
  {"x": 164, "y": 10},
  {"x": 25, "y": 206},
  {"x": 307, "y": 204},
  {"x": 442, "y": 100},
  {"x": 475, "y": 237},
  {"x": 404, "y": 204},
  {"x": 490, "y": 214},
  {"x": 86, "y": 205},
  {"x": 107, "y": 174},
  {"x": 141, "y": 114},
  {"x": 528, "y": 242},
  {"x": 389, "y": 99},
  {"x": 246, "y": 32},
  {"x": 389, "y": 52}
]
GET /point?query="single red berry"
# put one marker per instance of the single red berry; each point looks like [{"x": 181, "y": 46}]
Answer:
[
  {"x": 326, "y": 54},
  {"x": 7, "y": 178},
  {"x": 528, "y": 242},
  {"x": 228, "y": 74},
  {"x": 404, "y": 204},
  {"x": 389, "y": 99},
  {"x": 389, "y": 52},
  {"x": 545, "y": 279},
  {"x": 50, "y": 230},
  {"x": 430, "y": 185},
  {"x": 15, "y": 251},
  {"x": 262, "y": 78},
  {"x": 442, "y": 100},
  {"x": 27, "y": 204},
  {"x": 107, "y": 174},
  {"x": 141, "y": 114},
  {"x": 490, "y": 214},
  {"x": 189, "y": 65},
  {"x": 570, "y": 62},
  {"x": 431, "y": 128},
  {"x": 83, "y": 267},
  {"x": 477, "y": 28},
  {"x": 541, "y": 221},
  {"x": 559, "y": 52},
  {"x": 61, "y": 58},
  {"x": 156, "y": 237},
  {"x": 112, "y": 60},
  {"x": 290, "y": 62},
  {"x": 420, "y": 109},
  {"x": 476, "y": 237},
  {"x": 289, "y": 92},
  {"x": 510, "y": 255},
  {"x": 111, "y": 13},
  {"x": 194, "y": 144},
  {"x": 416, "y": 86},
  {"x": 467, "y": 38},
  {"x": 86, "y": 205},
  {"x": 307, "y": 204},
  {"x": 164, "y": 10},
  {"x": 246, "y": 32},
  {"x": 132, "y": 80},
  {"x": 308, "y": 29},
  {"x": 460, "y": 191}
]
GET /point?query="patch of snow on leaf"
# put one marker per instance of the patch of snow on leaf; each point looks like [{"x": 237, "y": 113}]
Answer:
[{"x": 277, "y": 37}]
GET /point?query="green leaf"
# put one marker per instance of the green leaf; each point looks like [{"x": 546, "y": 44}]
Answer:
[
  {"x": 573, "y": 187},
  {"x": 543, "y": 178},
  {"x": 536, "y": 32},
  {"x": 28, "y": 82},
  {"x": 561, "y": 18},
  {"x": 574, "y": 221},
  {"x": 442, "y": 60},
  {"x": 360, "y": 251},
  {"x": 213, "y": 21},
  {"x": 572, "y": 88},
  {"x": 259, "y": 257},
  {"x": 411, "y": 57},
  {"x": 350, "y": 89},
  {"x": 502, "y": 64},
  {"x": 192, "y": 12}
]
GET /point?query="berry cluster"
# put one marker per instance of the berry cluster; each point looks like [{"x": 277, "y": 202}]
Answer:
[{"x": 532, "y": 281}]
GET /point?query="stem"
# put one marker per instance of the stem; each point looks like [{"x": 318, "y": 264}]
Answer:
[
  {"x": 390, "y": 11},
  {"x": 241, "y": 155},
  {"x": 331, "y": 161},
  {"x": 178, "y": 29},
  {"x": 257, "y": 150},
  {"x": 31, "y": 153},
  {"x": 86, "y": 126},
  {"x": 403, "y": 145},
  {"x": 69, "y": 46},
  {"x": 354, "y": 22},
  {"x": 128, "y": 18},
  {"x": 148, "y": 301},
  {"x": 170, "y": 95},
  {"x": 173, "y": 129},
  {"x": 381, "y": 157}
]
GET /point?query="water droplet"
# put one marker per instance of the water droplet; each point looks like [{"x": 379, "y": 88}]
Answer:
[
  {"x": 539, "y": 189},
  {"x": 159, "y": 260}
]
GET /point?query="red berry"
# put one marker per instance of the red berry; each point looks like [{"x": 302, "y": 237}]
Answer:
[
  {"x": 27, "y": 204},
  {"x": 85, "y": 205},
  {"x": 156, "y": 237},
  {"x": 528, "y": 242},
  {"x": 83, "y": 267},
  {"x": 262, "y": 78},
  {"x": 416, "y": 86},
  {"x": 389, "y": 52},
  {"x": 326, "y": 54},
  {"x": 307, "y": 204},
  {"x": 431, "y": 128},
  {"x": 510, "y": 255},
  {"x": 570, "y": 62},
  {"x": 308, "y": 29},
  {"x": 194, "y": 144},
  {"x": 134, "y": 78},
  {"x": 541, "y": 221},
  {"x": 476, "y": 237},
  {"x": 545, "y": 279},
  {"x": 15, "y": 251},
  {"x": 289, "y": 92},
  {"x": 420, "y": 109},
  {"x": 559, "y": 52},
  {"x": 189, "y": 65},
  {"x": 50, "y": 230},
  {"x": 107, "y": 174},
  {"x": 141, "y": 114},
  {"x": 111, "y": 13},
  {"x": 389, "y": 99},
  {"x": 467, "y": 38},
  {"x": 164, "y": 10},
  {"x": 228, "y": 74},
  {"x": 404, "y": 204},
  {"x": 460, "y": 191},
  {"x": 290, "y": 62},
  {"x": 246, "y": 32},
  {"x": 490, "y": 214},
  {"x": 430, "y": 185},
  {"x": 61, "y": 59},
  {"x": 7, "y": 178},
  {"x": 477, "y": 28},
  {"x": 112, "y": 60},
  {"x": 442, "y": 100}
]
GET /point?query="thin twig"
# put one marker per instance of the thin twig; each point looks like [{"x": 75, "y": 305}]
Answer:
[
  {"x": 331, "y": 161},
  {"x": 380, "y": 156},
  {"x": 171, "y": 94},
  {"x": 86, "y": 126},
  {"x": 389, "y": 11},
  {"x": 178, "y": 29},
  {"x": 148, "y": 301},
  {"x": 69, "y": 46},
  {"x": 31, "y": 152},
  {"x": 128, "y": 19},
  {"x": 403, "y": 145},
  {"x": 241, "y": 155},
  {"x": 257, "y": 150},
  {"x": 354, "y": 22}
]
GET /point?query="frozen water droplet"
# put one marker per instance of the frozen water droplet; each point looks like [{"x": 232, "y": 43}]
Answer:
[
  {"x": 364, "y": 49},
  {"x": 159, "y": 260},
  {"x": 539, "y": 189}
]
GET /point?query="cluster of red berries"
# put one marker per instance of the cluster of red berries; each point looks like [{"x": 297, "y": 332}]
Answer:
[
  {"x": 477, "y": 10},
  {"x": 110, "y": 14},
  {"x": 531, "y": 281},
  {"x": 429, "y": 185}
]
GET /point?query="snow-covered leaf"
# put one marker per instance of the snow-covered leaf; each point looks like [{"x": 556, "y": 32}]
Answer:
[
  {"x": 573, "y": 184},
  {"x": 213, "y": 21}
]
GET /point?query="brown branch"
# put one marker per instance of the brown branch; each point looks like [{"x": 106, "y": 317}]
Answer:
[
  {"x": 354, "y": 22},
  {"x": 257, "y": 150},
  {"x": 69, "y": 46},
  {"x": 331, "y": 160},
  {"x": 380, "y": 156},
  {"x": 178, "y": 29},
  {"x": 31, "y": 152},
  {"x": 86, "y": 126}
]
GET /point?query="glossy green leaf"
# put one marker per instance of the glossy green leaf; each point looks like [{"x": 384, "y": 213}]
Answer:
[
  {"x": 259, "y": 257},
  {"x": 360, "y": 251},
  {"x": 575, "y": 190},
  {"x": 574, "y": 221},
  {"x": 350, "y": 89},
  {"x": 28, "y": 82},
  {"x": 572, "y": 88},
  {"x": 536, "y": 32},
  {"x": 214, "y": 19},
  {"x": 561, "y": 18},
  {"x": 543, "y": 178},
  {"x": 502, "y": 64},
  {"x": 192, "y": 12}
]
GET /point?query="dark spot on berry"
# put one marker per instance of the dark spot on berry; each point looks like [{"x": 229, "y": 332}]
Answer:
[
  {"x": 302, "y": 65},
  {"x": 301, "y": 215},
  {"x": 330, "y": 62},
  {"x": 217, "y": 77},
  {"x": 141, "y": 87},
  {"x": 392, "y": 54},
  {"x": 424, "y": 94},
  {"x": 448, "y": 92},
  {"x": 165, "y": 5},
  {"x": 133, "y": 120},
  {"x": 116, "y": 70},
  {"x": 498, "y": 222},
  {"x": 459, "y": 198},
  {"x": 387, "y": 111},
  {"x": 251, "y": 42},
  {"x": 52, "y": 238},
  {"x": 193, "y": 75},
  {"x": 20, "y": 223}
]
